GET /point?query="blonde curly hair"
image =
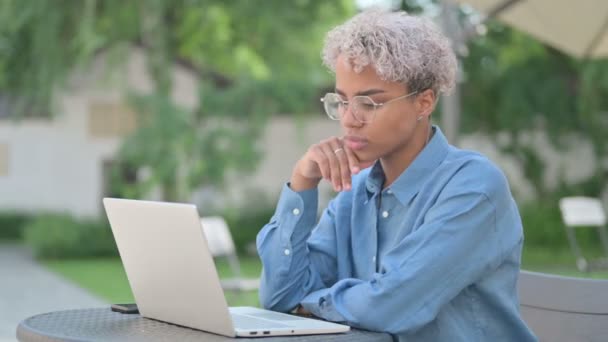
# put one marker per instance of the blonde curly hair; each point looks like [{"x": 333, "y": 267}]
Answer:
[{"x": 401, "y": 48}]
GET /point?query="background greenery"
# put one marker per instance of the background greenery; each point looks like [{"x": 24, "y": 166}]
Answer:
[
  {"x": 61, "y": 236},
  {"x": 253, "y": 59},
  {"x": 52, "y": 236},
  {"x": 11, "y": 225},
  {"x": 106, "y": 278}
]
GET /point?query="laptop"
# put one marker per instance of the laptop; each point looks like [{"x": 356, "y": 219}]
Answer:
[{"x": 173, "y": 277}]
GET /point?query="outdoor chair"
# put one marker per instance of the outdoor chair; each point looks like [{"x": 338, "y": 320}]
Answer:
[
  {"x": 221, "y": 244},
  {"x": 561, "y": 308},
  {"x": 584, "y": 212}
]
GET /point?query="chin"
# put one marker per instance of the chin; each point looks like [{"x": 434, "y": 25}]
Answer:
[{"x": 366, "y": 157}]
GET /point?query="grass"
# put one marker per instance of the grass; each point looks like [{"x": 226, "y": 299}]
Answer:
[
  {"x": 106, "y": 278},
  {"x": 558, "y": 261}
]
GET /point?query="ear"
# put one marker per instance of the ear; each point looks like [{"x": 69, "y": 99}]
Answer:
[{"x": 425, "y": 103}]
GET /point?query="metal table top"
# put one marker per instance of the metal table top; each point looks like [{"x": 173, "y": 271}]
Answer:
[{"x": 101, "y": 324}]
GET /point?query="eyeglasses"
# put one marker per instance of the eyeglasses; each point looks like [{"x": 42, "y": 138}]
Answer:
[{"x": 363, "y": 107}]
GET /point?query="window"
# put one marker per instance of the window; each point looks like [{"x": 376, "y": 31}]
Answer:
[
  {"x": 3, "y": 159},
  {"x": 111, "y": 120},
  {"x": 7, "y": 109}
]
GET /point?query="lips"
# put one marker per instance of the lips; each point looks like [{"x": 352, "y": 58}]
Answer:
[{"x": 355, "y": 143}]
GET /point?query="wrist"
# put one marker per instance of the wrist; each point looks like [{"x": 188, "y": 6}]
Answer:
[{"x": 301, "y": 183}]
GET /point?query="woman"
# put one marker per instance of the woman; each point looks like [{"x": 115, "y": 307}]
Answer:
[{"x": 423, "y": 240}]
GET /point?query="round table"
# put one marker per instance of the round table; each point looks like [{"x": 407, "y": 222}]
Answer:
[{"x": 102, "y": 324}]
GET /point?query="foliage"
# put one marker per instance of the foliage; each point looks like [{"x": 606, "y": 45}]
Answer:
[
  {"x": 557, "y": 261},
  {"x": 185, "y": 149},
  {"x": 11, "y": 225},
  {"x": 252, "y": 59},
  {"x": 544, "y": 227},
  {"x": 514, "y": 83},
  {"x": 31, "y": 63},
  {"x": 245, "y": 224},
  {"x": 62, "y": 236},
  {"x": 221, "y": 41},
  {"x": 529, "y": 86}
]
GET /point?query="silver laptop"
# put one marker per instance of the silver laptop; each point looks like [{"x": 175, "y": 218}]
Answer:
[{"x": 173, "y": 277}]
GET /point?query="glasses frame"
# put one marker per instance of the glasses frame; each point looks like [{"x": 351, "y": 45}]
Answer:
[{"x": 374, "y": 103}]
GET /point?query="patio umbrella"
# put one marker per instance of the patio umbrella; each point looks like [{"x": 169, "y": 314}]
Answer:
[{"x": 578, "y": 28}]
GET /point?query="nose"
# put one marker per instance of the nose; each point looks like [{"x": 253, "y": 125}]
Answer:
[{"x": 348, "y": 117}]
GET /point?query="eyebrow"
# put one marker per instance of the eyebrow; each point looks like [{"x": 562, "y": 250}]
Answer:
[{"x": 363, "y": 93}]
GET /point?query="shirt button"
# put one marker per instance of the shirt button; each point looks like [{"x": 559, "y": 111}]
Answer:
[
  {"x": 385, "y": 214},
  {"x": 287, "y": 252},
  {"x": 389, "y": 191},
  {"x": 374, "y": 259},
  {"x": 296, "y": 211}
]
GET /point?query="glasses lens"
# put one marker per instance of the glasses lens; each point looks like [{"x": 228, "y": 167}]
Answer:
[
  {"x": 363, "y": 108},
  {"x": 333, "y": 105}
]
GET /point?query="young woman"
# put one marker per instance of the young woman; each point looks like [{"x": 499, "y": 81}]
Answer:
[{"x": 423, "y": 240}]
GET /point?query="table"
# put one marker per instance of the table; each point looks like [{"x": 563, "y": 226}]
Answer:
[{"x": 101, "y": 324}]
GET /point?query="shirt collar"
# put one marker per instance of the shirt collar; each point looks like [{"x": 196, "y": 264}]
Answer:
[
  {"x": 374, "y": 180},
  {"x": 406, "y": 186}
]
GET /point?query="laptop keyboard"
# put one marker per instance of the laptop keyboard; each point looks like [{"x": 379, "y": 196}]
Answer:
[
  {"x": 278, "y": 316},
  {"x": 248, "y": 322}
]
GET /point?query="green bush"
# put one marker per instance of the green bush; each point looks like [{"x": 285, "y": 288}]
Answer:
[
  {"x": 543, "y": 226},
  {"x": 11, "y": 225},
  {"x": 246, "y": 223},
  {"x": 62, "y": 236}
]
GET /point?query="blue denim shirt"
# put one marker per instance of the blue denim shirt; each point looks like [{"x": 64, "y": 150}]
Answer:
[{"x": 433, "y": 257}]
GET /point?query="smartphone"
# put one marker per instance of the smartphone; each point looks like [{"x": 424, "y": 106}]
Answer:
[{"x": 125, "y": 308}]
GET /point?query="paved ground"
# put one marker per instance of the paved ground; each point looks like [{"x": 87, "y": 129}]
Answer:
[{"x": 26, "y": 289}]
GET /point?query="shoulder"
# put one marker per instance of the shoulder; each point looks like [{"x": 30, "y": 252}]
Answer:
[{"x": 472, "y": 172}]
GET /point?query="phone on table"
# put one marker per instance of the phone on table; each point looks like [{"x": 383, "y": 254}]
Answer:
[{"x": 125, "y": 308}]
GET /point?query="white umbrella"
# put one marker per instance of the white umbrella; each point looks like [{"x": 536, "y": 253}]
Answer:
[{"x": 578, "y": 28}]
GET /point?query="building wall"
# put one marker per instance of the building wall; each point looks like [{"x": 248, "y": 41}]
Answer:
[
  {"x": 58, "y": 165},
  {"x": 286, "y": 140},
  {"x": 53, "y": 165}
]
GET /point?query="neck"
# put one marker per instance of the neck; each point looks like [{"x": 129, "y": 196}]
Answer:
[{"x": 399, "y": 160}]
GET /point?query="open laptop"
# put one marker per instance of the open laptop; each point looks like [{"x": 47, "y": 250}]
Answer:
[{"x": 173, "y": 277}]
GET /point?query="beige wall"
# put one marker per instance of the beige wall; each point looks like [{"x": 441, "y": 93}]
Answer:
[
  {"x": 285, "y": 141},
  {"x": 58, "y": 165},
  {"x": 4, "y": 158}
]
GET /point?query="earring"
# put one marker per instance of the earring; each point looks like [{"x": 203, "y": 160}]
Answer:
[{"x": 419, "y": 118}]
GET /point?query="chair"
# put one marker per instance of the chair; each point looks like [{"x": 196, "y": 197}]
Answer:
[
  {"x": 584, "y": 212},
  {"x": 561, "y": 308},
  {"x": 221, "y": 244}
]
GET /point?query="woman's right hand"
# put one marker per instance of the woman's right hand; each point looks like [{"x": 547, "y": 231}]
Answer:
[{"x": 331, "y": 160}]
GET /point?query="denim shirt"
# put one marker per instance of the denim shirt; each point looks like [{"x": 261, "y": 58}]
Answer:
[{"x": 433, "y": 257}]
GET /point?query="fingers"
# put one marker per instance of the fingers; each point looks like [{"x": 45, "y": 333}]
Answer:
[
  {"x": 353, "y": 161},
  {"x": 339, "y": 151},
  {"x": 336, "y": 163},
  {"x": 340, "y": 164},
  {"x": 318, "y": 156},
  {"x": 335, "y": 175},
  {"x": 341, "y": 172}
]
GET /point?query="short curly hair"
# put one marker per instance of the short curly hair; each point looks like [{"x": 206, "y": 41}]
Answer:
[{"x": 401, "y": 48}]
